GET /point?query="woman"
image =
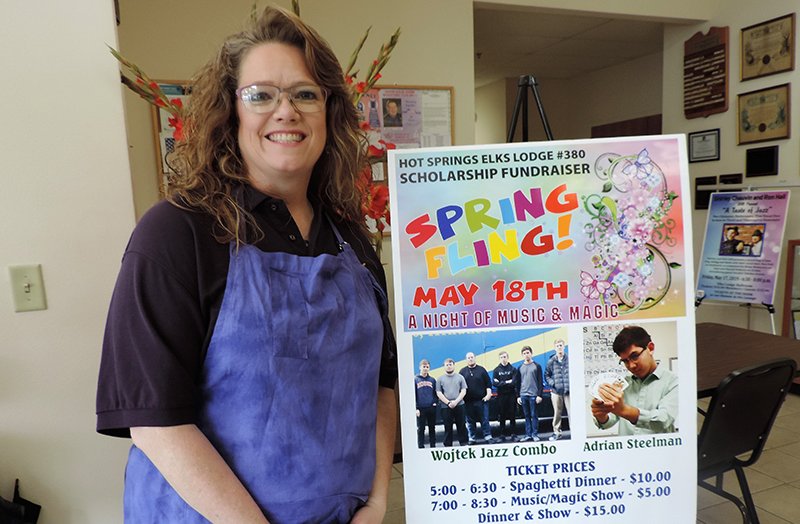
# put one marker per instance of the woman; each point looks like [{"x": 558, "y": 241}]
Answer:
[{"x": 247, "y": 351}]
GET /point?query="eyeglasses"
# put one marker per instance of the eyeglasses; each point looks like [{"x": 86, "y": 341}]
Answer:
[
  {"x": 633, "y": 357},
  {"x": 264, "y": 98}
]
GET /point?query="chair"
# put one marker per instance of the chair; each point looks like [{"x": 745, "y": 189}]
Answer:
[{"x": 738, "y": 421}]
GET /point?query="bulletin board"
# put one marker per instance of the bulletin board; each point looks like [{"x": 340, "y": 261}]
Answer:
[
  {"x": 409, "y": 116},
  {"x": 163, "y": 134}
]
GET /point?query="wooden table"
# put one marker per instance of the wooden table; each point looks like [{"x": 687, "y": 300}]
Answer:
[{"x": 722, "y": 349}]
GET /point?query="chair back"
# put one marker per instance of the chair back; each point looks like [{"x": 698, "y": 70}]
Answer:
[{"x": 741, "y": 414}]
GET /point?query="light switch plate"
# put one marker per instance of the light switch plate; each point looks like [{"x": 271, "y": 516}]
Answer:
[{"x": 27, "y": 288}]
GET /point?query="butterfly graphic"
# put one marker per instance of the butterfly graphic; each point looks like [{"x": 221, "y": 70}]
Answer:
[
  {"x": 642, "y": 167},
  {"x": 591, "y": 287}
]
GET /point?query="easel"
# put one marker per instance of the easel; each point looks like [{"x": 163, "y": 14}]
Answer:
[
  {"x": 769, "y": 307},
  {"x": 526, "y": 81}
]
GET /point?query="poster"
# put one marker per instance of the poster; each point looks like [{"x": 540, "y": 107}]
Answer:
[
  {"x": 525, "y": 254},
  {"x": 742, "y": 246}
]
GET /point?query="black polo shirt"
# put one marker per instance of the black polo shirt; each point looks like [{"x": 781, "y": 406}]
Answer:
[{"x": 166, "y": 301}]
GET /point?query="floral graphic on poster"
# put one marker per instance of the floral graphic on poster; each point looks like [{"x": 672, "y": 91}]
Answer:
[{"x": 628, "y": 225}]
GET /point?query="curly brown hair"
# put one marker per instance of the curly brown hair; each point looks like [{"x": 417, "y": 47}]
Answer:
[{"x": 208, "y": 162}]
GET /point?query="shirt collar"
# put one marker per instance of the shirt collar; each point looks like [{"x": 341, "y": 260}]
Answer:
[
  {"x": 657, "y": 374},
  {"x": 250, "y": 198}
]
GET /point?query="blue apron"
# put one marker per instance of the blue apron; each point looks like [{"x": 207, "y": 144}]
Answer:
[{"x": 289, "y": 390}]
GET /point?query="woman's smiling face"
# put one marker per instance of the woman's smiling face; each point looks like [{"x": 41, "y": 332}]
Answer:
[{"x": 282, "y": 144}]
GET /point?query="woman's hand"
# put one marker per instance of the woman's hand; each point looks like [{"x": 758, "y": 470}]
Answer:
[
  {"x": 370, "y": 513},
  {"x": 194, "y": 468}
]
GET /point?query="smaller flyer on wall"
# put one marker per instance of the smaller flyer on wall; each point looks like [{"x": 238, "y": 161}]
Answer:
[{"x": 742, "y": 246}]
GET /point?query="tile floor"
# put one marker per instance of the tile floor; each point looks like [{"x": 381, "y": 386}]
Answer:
[{"x": 774, "y": 480}]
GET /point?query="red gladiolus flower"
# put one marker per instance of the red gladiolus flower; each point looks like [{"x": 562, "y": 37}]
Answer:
[
  {"x": 160, "y": 103},
  {"x": 177, "y": 101},
  {"x": 387, "y": 145},
  {"x": 348, "y": 80},
  {"x": 378, "y": 76},
  {"x": 153, "y": 86},
  {"x": 364, "y": 125},
  {"x": 374, "y": 152},
  {"x": 364, "y": 179},
  {"x": 177, "y": 124},
  {"x": 380, "y": 199},
  {"x": 360, "y": 87}
]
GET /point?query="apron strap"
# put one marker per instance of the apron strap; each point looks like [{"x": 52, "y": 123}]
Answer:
[
  {"x": 336, "y": 232},
  {"x": 380, "y": 295}
]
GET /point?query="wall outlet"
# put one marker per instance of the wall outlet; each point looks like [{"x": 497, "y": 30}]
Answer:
[{"x": 27, "y": 288}]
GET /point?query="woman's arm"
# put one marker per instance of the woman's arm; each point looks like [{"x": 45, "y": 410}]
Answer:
[
  {"x": 375, "y": 508},
  {"x": 197, "y": 472}
]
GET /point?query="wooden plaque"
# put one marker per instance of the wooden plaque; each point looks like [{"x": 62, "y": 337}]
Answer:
[{"x": 705, "y": 73}]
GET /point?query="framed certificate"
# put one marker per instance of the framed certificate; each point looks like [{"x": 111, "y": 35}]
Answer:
[
  {"x": 768, "y": 47},
  {"x": 764, "y": 114},
  {"x": 704, "y": 146}
]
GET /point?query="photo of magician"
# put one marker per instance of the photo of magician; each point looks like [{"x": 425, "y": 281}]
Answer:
[
  {"x": 647, "y": 402},
  {"x": 247, "y": 350}
]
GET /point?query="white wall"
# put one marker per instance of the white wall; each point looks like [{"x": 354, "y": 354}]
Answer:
[
  {"x": 672, "y": 11},
  {"x": 66, "y": 204},
  {"x": 737, "y": 14},
  {"x": 576, "y": 104},
  {"x": 491, "y": 123},
  {"x": 626, "y": 91}
]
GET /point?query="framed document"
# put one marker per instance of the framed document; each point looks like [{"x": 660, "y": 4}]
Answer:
[
  {"x": 704, "y": 146},
  {"x": 768, "y": 47},
  {"x": 764, "y": 114}
]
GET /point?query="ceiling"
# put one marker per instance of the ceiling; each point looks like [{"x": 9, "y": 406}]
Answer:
[{"x": 514, "y": 42}]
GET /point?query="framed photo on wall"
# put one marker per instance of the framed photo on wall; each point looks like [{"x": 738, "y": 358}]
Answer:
[
  {"x": 768, "y": 47},
  {"x": 761, "y": 161},
  {"x": 704, "y": 146},
  {"x": 764, "y": 114}
]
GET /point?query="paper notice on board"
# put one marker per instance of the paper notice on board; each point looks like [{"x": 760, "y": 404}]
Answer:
[
  {"x": 538, "y": 255},
  {"x": 436, "y": 124}
]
